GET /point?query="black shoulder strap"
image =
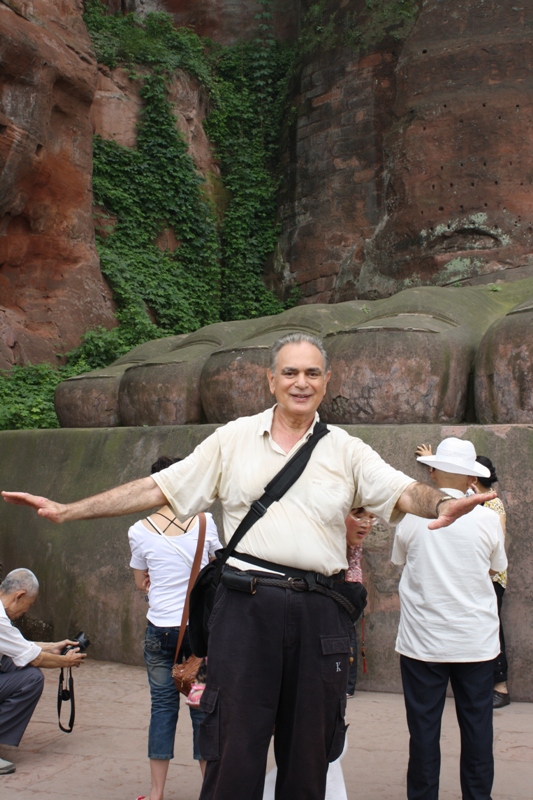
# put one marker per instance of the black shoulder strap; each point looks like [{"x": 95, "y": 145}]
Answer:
[{"x": 275, "y": 490}]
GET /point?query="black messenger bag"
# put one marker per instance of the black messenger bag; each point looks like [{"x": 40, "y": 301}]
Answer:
[{"x": 204, "y": 590}]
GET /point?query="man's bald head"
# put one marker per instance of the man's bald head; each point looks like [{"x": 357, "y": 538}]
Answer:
[{"x": 20, "y": 580}]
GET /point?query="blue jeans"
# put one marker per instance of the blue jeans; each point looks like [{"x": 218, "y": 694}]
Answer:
[{"x": 159, "y": 651}]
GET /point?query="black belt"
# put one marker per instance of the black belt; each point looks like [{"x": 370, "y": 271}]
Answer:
[
  {"x": 290, "y": 573},
  {"x": 350, "y": 596}
]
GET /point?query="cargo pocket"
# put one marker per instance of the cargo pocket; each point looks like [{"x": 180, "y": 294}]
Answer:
[
  {"x": 335, "y": 660},
  {"x": 339, "y": 734},
  {"x": 209, "y": 733}
]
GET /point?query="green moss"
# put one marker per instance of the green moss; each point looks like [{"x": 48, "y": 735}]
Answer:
[{"x": 326, "y": 26}]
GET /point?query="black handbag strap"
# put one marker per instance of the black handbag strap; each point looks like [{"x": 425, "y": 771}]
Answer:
[{"x": 274, "y": 490}]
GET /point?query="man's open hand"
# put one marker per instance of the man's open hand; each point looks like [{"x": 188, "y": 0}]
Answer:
[
  {"x": 48, "y": 509},
  {"x": 450, "y": 510}
]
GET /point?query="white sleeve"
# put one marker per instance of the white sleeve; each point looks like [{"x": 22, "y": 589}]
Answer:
[
  {"x": 14, "y": 645},
  {"x": 211, "y": 535},
  {"x": 399, "y": 550},
  {"x": 498, "y": 558},
  {"x": 138, "y": 560}
]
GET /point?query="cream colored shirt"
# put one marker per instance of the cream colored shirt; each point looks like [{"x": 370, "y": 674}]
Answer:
[{"x": 305, "y": 529}]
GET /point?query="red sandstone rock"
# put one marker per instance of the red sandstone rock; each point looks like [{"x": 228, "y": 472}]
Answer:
[
  {"x": 408, "y": 164},
  {"x": 224, "y": 21},
  {"x": 117, "y": 106},
  {"x": 51, "y": 288}
]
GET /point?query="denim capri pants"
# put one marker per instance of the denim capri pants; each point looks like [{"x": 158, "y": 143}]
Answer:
[{"x": 159, "y": 651}]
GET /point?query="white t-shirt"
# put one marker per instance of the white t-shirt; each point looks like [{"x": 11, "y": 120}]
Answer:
[
  {"x": 13, "y": 643},
  {"x": 448, "y": 609},
  {"x": 168, "y": 560}
]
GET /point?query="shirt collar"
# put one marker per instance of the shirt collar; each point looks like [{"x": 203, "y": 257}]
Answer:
[{"x": 267, "y": 418}]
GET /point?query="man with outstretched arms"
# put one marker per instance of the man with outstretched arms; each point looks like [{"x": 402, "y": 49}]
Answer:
[{"x": 278, "y": 659}]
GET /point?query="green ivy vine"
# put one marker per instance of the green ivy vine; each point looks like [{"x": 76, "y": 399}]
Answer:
[{"x": 215, "y": 270}]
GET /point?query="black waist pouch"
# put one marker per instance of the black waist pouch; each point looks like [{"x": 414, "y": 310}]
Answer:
[{"x": 351, "y": 595}]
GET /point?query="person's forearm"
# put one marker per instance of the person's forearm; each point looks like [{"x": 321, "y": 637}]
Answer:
[
  {"x": 129, "y": 498},
  {"x": 50, "y": 660},
  {"x": 138, "y": 495},
  {"x": 420, "y": 500},
  {"x": 126, "y": 499}
]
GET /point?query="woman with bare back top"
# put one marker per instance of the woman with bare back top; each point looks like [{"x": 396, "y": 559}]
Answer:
[{"x": 162, "y": 554}]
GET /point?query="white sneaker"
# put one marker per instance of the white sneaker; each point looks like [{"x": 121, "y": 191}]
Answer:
[{"x": 6, "y": 767}]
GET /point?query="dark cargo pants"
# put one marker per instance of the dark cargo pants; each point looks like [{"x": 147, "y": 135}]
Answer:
[
  {"x": 20, "y": 690},
  {"x": 277, "y": 663}
]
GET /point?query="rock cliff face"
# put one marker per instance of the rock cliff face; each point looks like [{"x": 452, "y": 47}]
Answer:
[
  {"x": 116, "y": 107},
  {"x": 226, "y": 22},
  {"x": 410, "y": 163},
  {"x": 51, "y": 288}
]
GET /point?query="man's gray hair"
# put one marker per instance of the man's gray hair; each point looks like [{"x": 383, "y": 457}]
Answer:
[
  {"x": 297, "y": 338},
  {"x": 20, "y": 580}
]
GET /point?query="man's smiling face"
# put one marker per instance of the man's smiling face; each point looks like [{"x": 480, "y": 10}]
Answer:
[{"x": 299, "y": 382}]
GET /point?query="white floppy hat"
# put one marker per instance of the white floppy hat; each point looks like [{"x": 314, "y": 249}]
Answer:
[{"x": 456, "y": 456}]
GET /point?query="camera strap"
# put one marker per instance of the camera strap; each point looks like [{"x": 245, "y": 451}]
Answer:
[{"x": 65, "y": 693}]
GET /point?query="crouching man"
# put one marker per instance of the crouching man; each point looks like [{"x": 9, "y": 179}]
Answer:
[{"x": 21, "y": 682}]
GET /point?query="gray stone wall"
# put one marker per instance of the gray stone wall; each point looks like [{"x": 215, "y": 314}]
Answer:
[{"x": 83, "y": 567}]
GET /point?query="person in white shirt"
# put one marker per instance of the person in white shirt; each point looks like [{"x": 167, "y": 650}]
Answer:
[
  {"x": 278, "y": 658},
  {"x": 449, "y": 628},
  {"x": 21, "y": 682},
  {"x": 162, "y": 555}
]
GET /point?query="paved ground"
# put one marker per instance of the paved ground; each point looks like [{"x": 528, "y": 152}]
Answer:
[{"x": 105, "y": 756}]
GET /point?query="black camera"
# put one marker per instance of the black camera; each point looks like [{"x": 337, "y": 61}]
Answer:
[{"x": 83, "y": 643}]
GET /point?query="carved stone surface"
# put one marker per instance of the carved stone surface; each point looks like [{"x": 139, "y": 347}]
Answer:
[
  {"x": 504, "y": 368},
  {"x": 406, "y": 163},
  {"x": 51, "y": 288},
  {"x": 91, "y": 400},
  {"x": 404, "y": 359}
]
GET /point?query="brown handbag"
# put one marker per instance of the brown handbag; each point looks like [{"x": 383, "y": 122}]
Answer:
[{"x": 185, "y": 672}]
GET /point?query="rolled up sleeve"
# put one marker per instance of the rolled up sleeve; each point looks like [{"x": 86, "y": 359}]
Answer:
[
  {"x": 379, "y": 486},
  {"x": 191, "y": 485},
  {"x": 14, "y": 645}
]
